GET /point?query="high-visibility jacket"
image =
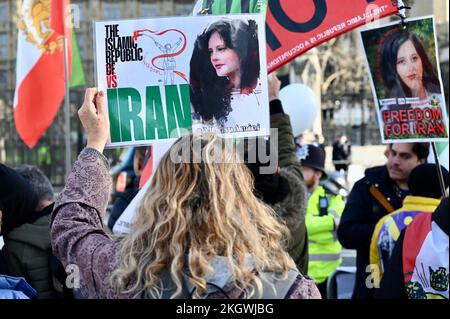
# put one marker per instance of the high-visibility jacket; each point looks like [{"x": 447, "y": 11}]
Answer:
[
  {"x": 324, "y": 248},
  {"x": 389, "y": 227}
]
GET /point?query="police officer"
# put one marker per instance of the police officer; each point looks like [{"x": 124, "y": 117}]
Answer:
[{"x": 322, "y": 218}]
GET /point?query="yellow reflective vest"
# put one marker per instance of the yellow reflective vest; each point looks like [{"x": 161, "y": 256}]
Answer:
[{"x": 324, "y": 248}]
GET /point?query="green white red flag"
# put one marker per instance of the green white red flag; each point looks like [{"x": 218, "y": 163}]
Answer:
[{"x": 40, "y": 77}]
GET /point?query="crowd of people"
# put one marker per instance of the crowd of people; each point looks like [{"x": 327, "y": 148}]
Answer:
[{"x": 221, "y": 229}]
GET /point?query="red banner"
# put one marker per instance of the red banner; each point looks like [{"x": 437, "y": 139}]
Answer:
[{"x": 293, "y": 26}]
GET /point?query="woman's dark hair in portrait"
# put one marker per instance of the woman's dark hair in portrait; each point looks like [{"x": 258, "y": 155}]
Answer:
[
  {"x": 211, "y": 94},
  {"x": 395, "y": 87}
]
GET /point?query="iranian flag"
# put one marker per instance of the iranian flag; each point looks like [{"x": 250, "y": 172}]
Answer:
[
  {"x": 442, "y": 152},
  {"x": 40, "y": 83}
]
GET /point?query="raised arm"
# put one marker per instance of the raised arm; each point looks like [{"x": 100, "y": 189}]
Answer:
[
  {"x": 158, "y": 45},
  {"x": 279, "y": 120},
  {"x": 177, "y": 44},
  {"x": 77, "y": 234}
]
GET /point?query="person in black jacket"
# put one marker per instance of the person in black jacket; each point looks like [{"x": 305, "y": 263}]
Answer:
[
  {"x": 20, "y": 202},
  {"x": 342, "y": 152},
  {"x": 380, "y": 192},
  {"x": 3, "y": 268},
  {"x": 27, "y": 252}
]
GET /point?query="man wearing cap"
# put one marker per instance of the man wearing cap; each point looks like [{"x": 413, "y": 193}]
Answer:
[{"x": 322, "y": 218}]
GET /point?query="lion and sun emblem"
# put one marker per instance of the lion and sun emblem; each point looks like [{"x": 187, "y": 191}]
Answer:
[{"x": 34, "y": 21}]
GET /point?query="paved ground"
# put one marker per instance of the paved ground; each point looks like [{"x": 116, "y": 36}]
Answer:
[
  {"x": 362, "y": 157},
  {"x": 366, "y": 156},
  {"x": 348, "y": 257}
]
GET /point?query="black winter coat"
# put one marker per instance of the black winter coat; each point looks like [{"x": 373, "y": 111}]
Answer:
[
  {"x": 122, "y": 202},
  {"x": 342, "y": 152},
  {"x": 361, "y": 213}
]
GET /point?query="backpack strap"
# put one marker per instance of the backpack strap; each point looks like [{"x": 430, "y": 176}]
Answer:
[
  {"x": 380, "y": 198},
  {"x": 169, "y": 286},
  {"x": 275, "y": 287}
]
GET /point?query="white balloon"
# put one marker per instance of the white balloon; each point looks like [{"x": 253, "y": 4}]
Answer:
[{"x": 301, "y": 104}]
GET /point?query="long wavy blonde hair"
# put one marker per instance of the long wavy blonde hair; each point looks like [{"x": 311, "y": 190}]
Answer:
[{"x": 195, "y": 211}]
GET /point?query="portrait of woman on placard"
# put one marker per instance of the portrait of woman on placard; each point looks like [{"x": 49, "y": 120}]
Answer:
[
  {"x": 224, "y": 72},
  {"x": 407, "y": 71}
]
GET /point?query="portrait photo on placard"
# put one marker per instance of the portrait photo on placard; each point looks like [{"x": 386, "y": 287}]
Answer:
[{"x": 406, "y": 81}]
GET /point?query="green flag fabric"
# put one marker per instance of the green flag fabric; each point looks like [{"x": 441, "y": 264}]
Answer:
[
  {"x": 442, "y": 150},
  {"x": 442, "y": 153},
  {"x": 77, "y": 78},
  {"x": 219, "y": 7}
]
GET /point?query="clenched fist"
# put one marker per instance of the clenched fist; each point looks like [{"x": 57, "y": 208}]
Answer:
[
  {"x": 94, "y": 117},
  {"x": 274, "y": 87}
]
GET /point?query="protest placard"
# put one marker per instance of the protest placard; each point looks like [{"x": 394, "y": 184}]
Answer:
[
  {"x": 168, "y": 77},
  {"x": 406, "y": 81}
]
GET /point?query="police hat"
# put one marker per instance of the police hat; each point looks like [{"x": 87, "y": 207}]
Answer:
[{"x": 313, "y": 156}]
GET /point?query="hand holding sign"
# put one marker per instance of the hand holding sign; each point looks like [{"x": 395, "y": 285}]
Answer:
[
  {"x": 94, "y": 117},
  {"x": 274, "y": 87}
]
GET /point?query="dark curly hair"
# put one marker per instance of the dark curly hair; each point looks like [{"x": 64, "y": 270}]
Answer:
[
  {"x": 388, "y": 64},
  {"x": 422, "y": 150},
  {"x": 210, "y": 94}
]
